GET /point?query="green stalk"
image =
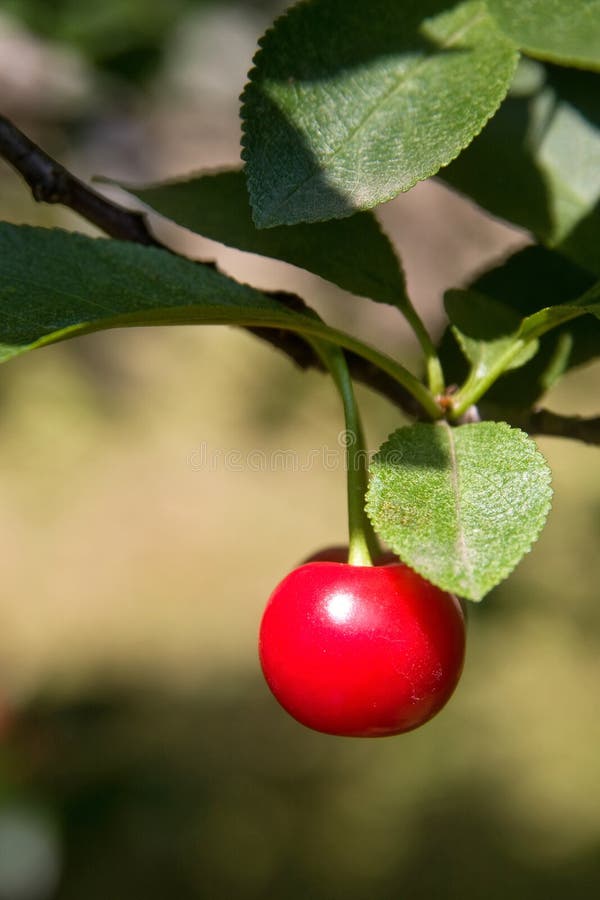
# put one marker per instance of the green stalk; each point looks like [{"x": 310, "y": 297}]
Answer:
[
  {"x": 300, "y": 324},
  {"x": 433, "y": 367},
  {"x": 475, "y": 386},
  {"x": 363, "y": 544},
  {"x": 395, "y": 370},
  {"x": 531, "y": 328}
]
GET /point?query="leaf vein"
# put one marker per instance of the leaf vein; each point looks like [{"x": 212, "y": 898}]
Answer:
[
  {"x": 401, "y": 80},
  {"x": 461, "y": 545}
]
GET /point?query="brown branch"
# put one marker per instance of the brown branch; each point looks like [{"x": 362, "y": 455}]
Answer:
[
  {"x": 545, "y": 422},
  {"x": 50, "y": 182}
]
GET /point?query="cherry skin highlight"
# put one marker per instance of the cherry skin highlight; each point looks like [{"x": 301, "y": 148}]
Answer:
[{"x": 361, "y": 651}]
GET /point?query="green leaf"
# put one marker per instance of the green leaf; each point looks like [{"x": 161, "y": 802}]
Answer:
[
  {"x": 551, "y": 317},
  {"x": 530, "y": 280},
  {"x": 351, "y": 103},
  {"x": 537, "y": 163},
  {"x": 485, "y": 330},
  {"x": 462, "y": 505},
  {"x": 497, "y": 357},
  {"x": 547, "y": 319},
  {"x": 354, "y": 253},
  {"x": 560, "y": 31},
  {"x": 56, "y": 284}
]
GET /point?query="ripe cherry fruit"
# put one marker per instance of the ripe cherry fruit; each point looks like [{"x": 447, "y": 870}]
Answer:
[{"x": 362, "y": 651}]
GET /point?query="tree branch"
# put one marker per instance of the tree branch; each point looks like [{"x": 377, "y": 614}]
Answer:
[
  {"x": 545, "y": 422},
  {"x": 50, "y": 182}
]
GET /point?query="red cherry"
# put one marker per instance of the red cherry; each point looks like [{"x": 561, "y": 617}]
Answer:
[{"x": 361, "y": 651}]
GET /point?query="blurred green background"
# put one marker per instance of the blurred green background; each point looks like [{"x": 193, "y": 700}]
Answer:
[{"x": 141, "y": 755}]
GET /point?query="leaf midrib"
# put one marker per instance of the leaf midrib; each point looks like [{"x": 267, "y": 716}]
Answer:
[{"x": 461, "y": 546}]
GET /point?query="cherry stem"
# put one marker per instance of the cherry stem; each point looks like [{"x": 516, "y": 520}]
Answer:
[
  {"x": 363, "y": 544},
  {"x": 433, "y": 367}
]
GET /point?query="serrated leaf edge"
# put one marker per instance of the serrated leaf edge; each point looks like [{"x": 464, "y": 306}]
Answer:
[{"x": 264, "y": 222}]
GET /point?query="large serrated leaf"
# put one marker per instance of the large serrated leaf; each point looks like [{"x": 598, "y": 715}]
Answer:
[
  {"x": 561, "y": 31},
  {"x": 353, "y": 253},
  {"x": 56, "y": 284},
  {"x": 351, "y": 103},
  {"x": 462, "y": 505},
  {"x": 537, "y": 163}
]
